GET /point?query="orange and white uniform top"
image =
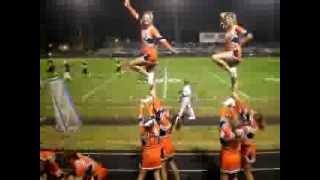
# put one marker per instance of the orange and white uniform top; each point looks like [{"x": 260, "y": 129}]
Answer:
[
  {"x": 249, "y": 127},
  {"x": 248, "y": 146},
  {"x": 151, "y": 146},
  {"x": 232, "y": 40},
  {"x": 82, "y": 165},
  {"x": 47, "y": 155},
  {"x": 150, "y": 135},
  {"x": 163, "y": 118},
  {"x": 51, "y": 167},
  {"x": 247, "y": 122},
  {"x": 150, "y": 37},
  {"x": 230, "y": 156},
  {"x": 164, "y": 121}
]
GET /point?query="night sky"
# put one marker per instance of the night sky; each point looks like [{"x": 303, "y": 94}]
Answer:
[{"x": 94, "y": 20}]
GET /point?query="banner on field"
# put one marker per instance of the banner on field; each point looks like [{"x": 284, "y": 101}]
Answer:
[
  {"x": 211, "y": 37},
  {"x": 66, "y": 117}
]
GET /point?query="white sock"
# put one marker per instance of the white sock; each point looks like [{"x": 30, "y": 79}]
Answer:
[
  {"x": 233, "y": 72},
  {"x": 151, "y": 78}
]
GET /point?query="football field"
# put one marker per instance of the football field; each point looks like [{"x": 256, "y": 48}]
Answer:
[
  {"x": 106, "y": 95},
  {"x": 107, "y": 98}
]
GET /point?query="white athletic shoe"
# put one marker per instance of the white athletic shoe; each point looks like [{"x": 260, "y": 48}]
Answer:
[{"x": 192, "y": 118}]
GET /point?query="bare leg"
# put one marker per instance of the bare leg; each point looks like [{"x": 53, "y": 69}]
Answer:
[
  {"x": 138, "y": 65},
  {"x": 139, "y": 69},
  {"x": 218, "y": 58},
  {"x": 234, "y": 79},
  {"x": 142, "y": 174},
  {"x": 157, "y": 174},
  {"x": 153, "y": 90},
  {"x": 163, "y": 171},
  {"x": 248, "y": 174},
  {"x": 235, "y": 176},
  {"x": 175, "y": 169},
  {"x": 234, "y": 84}
]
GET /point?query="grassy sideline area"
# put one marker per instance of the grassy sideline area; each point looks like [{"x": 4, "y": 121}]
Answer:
[{"x": 189, "y": 138}]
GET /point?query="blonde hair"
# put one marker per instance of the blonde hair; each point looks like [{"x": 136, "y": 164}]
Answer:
[
  {"x": 232, "y": 15},
  {"x": 150, "y": 14}
]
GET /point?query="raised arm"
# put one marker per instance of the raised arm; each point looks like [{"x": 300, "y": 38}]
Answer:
[{"x": 132, "y": 11}]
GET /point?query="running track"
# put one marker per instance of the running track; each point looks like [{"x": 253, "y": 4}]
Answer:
[{"x": 193, "y": 166}]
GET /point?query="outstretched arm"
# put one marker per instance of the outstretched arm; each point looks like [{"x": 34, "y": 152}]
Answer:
[
  {"x": 133, "y": 12},
  {"x": 162, "y": 40},
  {"x": 165, "y": 43}
]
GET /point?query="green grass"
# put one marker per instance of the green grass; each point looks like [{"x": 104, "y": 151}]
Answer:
[
  {"x": 93, "y": 137},
  {"x": 105, "y": 94}
]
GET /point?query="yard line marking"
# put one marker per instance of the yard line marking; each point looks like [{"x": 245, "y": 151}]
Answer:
[
  {"x": 93, "y": 91},
  {"x": 272, "y": 79},
  {"x": 244, "y": 94},
  {"x": 225, "y": 83},
  {"x": 165, "y": 86},
  {"x": 220, "y": 79}
]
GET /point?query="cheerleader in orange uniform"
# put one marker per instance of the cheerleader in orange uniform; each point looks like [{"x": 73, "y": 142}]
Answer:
[
  {"x": 231, "y": 56},
  {"x": 150, "y": 38},
  {"x": 86, "y": 167},
  {"x": 151, "y": 148},
  {"x": 49, "y": 166},
  {"x": 151, "y": 104},
  {"x": 168, "y": 151},
  {"x": 230, "y": 156},
  {"x": 250, "y": 122}
]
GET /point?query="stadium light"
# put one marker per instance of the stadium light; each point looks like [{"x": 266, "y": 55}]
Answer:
[{"x": 63, "y": 47}]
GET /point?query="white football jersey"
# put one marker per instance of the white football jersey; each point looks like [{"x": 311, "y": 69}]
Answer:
[{"x": 186, "y": 91}]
